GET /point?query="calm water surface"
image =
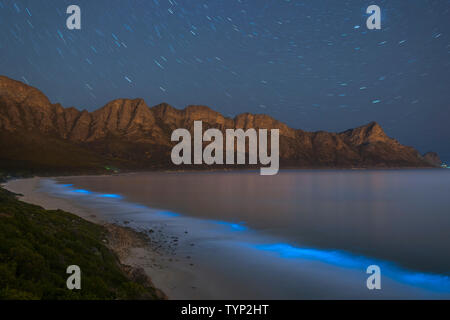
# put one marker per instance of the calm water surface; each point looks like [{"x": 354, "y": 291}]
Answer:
[{"x": 401, "y": 216}]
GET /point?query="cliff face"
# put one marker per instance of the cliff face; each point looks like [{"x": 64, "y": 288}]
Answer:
[{"x": 130, "y": 133}]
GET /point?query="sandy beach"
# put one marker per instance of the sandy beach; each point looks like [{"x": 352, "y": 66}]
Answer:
[{"x": 135, "y": 249}]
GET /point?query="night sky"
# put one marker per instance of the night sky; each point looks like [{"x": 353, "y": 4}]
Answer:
[{"x": 312, "y": 64}]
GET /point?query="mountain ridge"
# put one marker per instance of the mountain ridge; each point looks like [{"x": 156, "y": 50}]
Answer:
[{"x": 129, "y": 133}]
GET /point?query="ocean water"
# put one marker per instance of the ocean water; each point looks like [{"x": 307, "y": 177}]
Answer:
[{"x": 321, "y": 227}]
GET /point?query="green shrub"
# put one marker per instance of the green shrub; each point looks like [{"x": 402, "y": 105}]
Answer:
[{"x": 37, "y": 246}]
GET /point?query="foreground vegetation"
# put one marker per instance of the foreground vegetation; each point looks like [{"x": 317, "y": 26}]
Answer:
[{"x": 37, "y": 246}]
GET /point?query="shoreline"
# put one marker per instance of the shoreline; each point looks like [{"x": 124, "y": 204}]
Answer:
[
  {"x": 9, "y": 177},
  {"x": 190, "y": 258},
  {"x": 166, "y": 256},
  {"x": 129, "y": 245}
]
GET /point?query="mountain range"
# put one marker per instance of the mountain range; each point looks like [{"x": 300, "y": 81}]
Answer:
[{"x": 39, "y": 136}]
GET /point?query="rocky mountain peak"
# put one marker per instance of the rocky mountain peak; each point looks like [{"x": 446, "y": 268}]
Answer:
[
  {"x": 12, "y": 91},
  {"x": 132, "y": 133},
  {"x": 369, "y": 133}
]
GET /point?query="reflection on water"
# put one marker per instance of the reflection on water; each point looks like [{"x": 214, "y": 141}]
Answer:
[{"x": 399, "y": 216}]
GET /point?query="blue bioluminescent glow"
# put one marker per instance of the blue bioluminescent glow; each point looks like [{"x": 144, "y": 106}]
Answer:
[
  {"x": 112, "y": 196},
  {"x": 434, "y": 282},
  {"x": 233, "y": 226},
  {"x": 331, "y": 257},
  {"x": 169, "y": 213},
  {"x": 82, "y": 191}
]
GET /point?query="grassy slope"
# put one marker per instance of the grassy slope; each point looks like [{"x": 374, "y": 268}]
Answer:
[
  {"x": 31, "y": 153},
  {"x": 36, "y": 247}
]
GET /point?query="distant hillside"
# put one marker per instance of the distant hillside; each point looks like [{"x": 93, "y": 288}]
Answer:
[{"x": 36, "y": 136}]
